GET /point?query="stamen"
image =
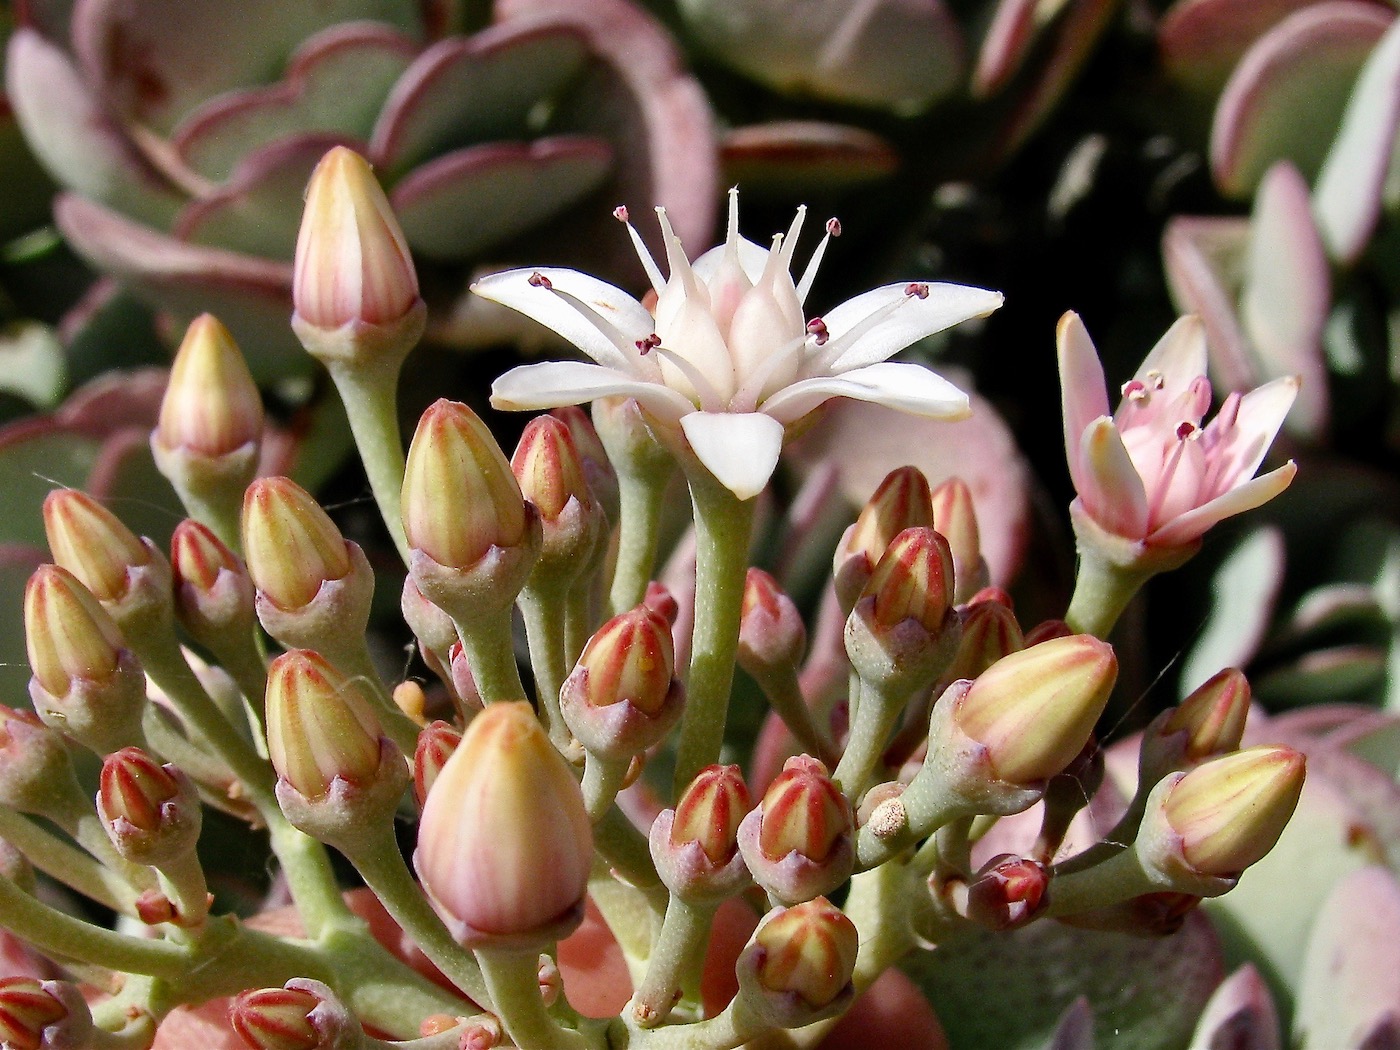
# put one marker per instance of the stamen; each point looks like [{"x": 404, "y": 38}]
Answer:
[
  {"x": 710, "y": 401},
  {"x": 745, "y": 399},
  {"x": 791, "y": 240},
  {"x": 620, "y": 213},
  {"x": 623, "y": 362},
  {"x": 647, "y": 345},
  {"x": 653, "y": 271},
  {"x": 1156, "y": 378},
  {"x": 1135, "y": 391},
  {"x": 833, "y": 227},
  {"x": 816, "y": 328},
  {"x": 916, "y": 289},
  {"x": 829, "y": 359},
  {"x": 1186, "y": 429},
  {"x": 539, "y": 280}
]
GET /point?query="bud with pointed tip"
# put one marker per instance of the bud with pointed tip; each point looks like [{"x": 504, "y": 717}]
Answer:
[
  {"x": 213, "y": 591},
  {"x": 505, "y": 846},
  {"x": 435, "y": 746},
  {"x": 695, "y": 846},
  {"x": 1047, "y": 630},
  {"x": 302, "y": 1015},
  {"x": 955, "y": 518},
  {"x": 430, "y": 625},
  {"x": 27, "y": 1007},
  {"x": 151, "y": 812},
  {"x": 797, "y": 843},
  {"x": 550, "y": 473},
  {"x": 902, "y": 501},
  {"x": 989, "y": 632},
  {"x": 597, "y": 468},
  {"x": 1006, "y": 893},
  {"x": 463, "y": 681},
  {"x": 1207, "y": 723},
  {"x": 797, "y": 966},
  {"x": 86, "y": 682},
  {"x": 292, "y": 546},
  {"x": 771, "y": 631}
]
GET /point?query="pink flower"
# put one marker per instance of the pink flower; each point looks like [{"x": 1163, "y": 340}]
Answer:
[{"x": 1151, "y": 473}]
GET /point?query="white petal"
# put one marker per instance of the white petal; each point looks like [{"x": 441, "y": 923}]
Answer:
[
  {"x": 1179, "y": 357},
  {"x": 913, "y": 319},
  {"x": 752, "y": 259},
  {"x": 619, "y": 317},
  {"x": 739, "y": 448},
  {"x": 900, "y": 385},
  {"x": 554, "y": 383}
]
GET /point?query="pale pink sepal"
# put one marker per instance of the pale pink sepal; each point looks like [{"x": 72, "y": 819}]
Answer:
[{"x": 1083, "y": 397}]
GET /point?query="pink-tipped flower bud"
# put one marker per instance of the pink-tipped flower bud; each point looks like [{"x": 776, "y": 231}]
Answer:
[
  {"x": 1213, "y": 716},
  {"x": 151, "y": 812},
  {"x": 797, "y": 967},
  {"x": 86, "y": 682},
  {"x": 435, "y": 746},
  {"x": 302, "y": 1015},
  {"x": 989, "y": 632},
  {"x": 550, "y": 473},
  {"x": 463, "y": 681},
  {"x": 622, "y": 696},
  {"x": 211, "y": 409},
  {"x": 1033, "y": 710},
  {"x": 797, "y": 843},
  {"x": 213, "y": 591},
  {"x": 771, "y": 631},
  {"x": 1006, "y": 893},
  {"x": 291, "y": 544},
  {"x": 696, "y": 845},
  {"x": 955, "y": 518},
  {"x": 353, "y": 266},
  {"x": 1047, "y": 630},
  {"x": 902, "y": 501},
  {"x": 1227, "y": 813},
  {"x": 505, "y": 846},
  {"x": 597, "y": 468},
  {"x": 27, "y": 1008},
  {"x": 660, "y": 600}
]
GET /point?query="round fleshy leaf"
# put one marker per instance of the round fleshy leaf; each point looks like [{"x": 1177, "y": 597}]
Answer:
[
  {"x": 472, "y": 89},
  {"x": 458, "y": 205},
  {"x": 1286, "y": 97},
  {"x": 251, "y": 296},
  {"x": 32, "y": 364},
  {"x": 795, "y": 157},
  {"x": 28, "y": 188},
  {"x": 1145, "y": 993},
  {"x": 125, "y": 473},
  {"x": 74, "y": 136},
  {"x": 259, "y": 210},
  {"x": 154, "y": 62},
  {"x": 336, "y": 84}
]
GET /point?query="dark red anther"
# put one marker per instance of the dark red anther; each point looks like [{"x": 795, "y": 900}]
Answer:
[
  {"x": 816, "y": 328},
  {"x": 917, "y": 289},
  {"x": 647, "y": 345},
  {"x": 620, "y": 213},
  {"x": 1185, "y": 429},
  {"x": 539, "y": 280},
  {"x": 833, "y": 227}
]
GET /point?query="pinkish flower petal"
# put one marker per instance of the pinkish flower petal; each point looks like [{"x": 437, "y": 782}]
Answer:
[
  {"x": 551, "y": 384},
  {"x": 879, "y": 323},
  {"x": 606, "y": 330},
  {"x": 1237, "y": 450},
  {"x": 1112, "y": 492},
  {"x": 1253, "y": 493},
  {"x": 907, "y": 387},
  {"x": 1083, "y": 395},
  {"x": 739, "y": 449},
  {"x": 1178, "y": 358}
]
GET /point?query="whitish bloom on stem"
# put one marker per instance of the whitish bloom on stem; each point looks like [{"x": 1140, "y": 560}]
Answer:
[
  {"x": 730, "y": 359},
  {"x": 1151, "y": 472}
]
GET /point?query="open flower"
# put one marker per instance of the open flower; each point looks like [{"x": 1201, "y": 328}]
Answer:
[
  {"x": 729, "y": 359},
  {"x": 1151, "y": 473}
]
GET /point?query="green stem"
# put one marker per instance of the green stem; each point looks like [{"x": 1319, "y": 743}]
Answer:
[
  {"x": 1116, "y": 879},
  {"x": 675, "y": 963},
  {"x": 1102, "y": 590},
  {"x": 56, "y": 858},
  {"x": 579, "y": 619},
  {"x": 370, "y": 396},
  {"x": 490, "y": 650},
  {"x": 873, "y": 722},
  {"x": 722, "y": 526},
  {"x": 602, "y": 780},
  {"x": 544, "y": 611},
  {"x": 780, "y": 685},
  {"x": 642, "y": 498},
  {"x": 310, "y": 878},
  {"x": 512, "y": 976},
  {"x": 182, "y": 881}
]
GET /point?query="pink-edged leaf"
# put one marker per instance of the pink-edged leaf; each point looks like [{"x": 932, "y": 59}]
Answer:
[
  {"x": 75, "y": 138},
  {"x": 658, "y": 118},
  {"x": 1351, "y": 973},
  {"x": 804, "y": 156},
  {"x": 1004, "y": 47},
  {"x": 1347, "y": 198},
  {"x": 251, "y": 296},
  {"x": 1204, "y": 261},
  {"x": 1240, "y": 1015},
  {"x": 1287, "y": 293},
  {"x": 1201, "y": 41},
  {"x": 259, "y": 210},
  {"x": 865, "y": 442},
  {"x": 464, "y": 90},
  {"x": 155, "y": 61},
  {"x": 336, "y": 84},
  {"x": 462, "y": 203},
  {"x": 1286, "y": 97}
]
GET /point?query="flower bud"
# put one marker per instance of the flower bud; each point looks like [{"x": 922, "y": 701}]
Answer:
[
  {"x": 320, "y": 726},
  {"x": 771, "y": 631},
  {"x": 956, "y": 520},
  {"x": 86, "y": 682},
  {"x": 1007, "y": 893},
  {"x": 91, "y": 542},
  {"x": 213, "y": 591},
  {"x": 1213, "y": 716},
  {"x": 989, "y": 632},
  {"x": 302, "y": 1015},
  {"x": 211, "y": 408},
  {"x": 435, "y": 746},
  {"x": 505, "y": 846},
  {"x": 902, "y": 501},
  {"x": 622, "y": 697},
  {"x": 1228, "y": 812},
  {"x": 291, "y": 544},
  {"x": 463, "y": 681},
  {"x": 797, "y": 843},
  {"x": 352, "y": 263},
  {"x": 1047, "y": 630},
  {"x": 151, "y": 812},
  {"x": 695, "y": 846},
  {"x": 913, "y": 580},
  {"x": 797, "y": 967},
  {"x": 430, "y": 625},
  {"x": 1033, "y": 710},
  {"x": 27, "y": 1007},
  {"x": 35, "y": 767},
  {"x": 551, "y": 476},
  {"x": 597, "y": 468}
]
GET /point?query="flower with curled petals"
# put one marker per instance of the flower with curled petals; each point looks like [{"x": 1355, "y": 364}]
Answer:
[
  {"x": 729, "y": 360},
  {"x": 1151, "y": 473}
]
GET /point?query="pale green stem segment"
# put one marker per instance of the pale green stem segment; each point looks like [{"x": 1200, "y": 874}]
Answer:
[
  {"x": 1118, "y": 878},
  {"x": 723, "y": 523},
  {"x": 490, "y": 651},
  {"x": 220, "y": 507},
  {"x": 673, "y": 971},
  {"x": 369, "y": 389},
  {"x": 350, "y": 654},
  {"x": 75, "y": 815},
  {"x": 376, "y": 857},
  {"x": 580, "y": 619},
  {"x": 182, "y": 880},
  {"x": 784, "y": 692},
  {"x": 1102, "y": 590},
  {"x": 57, "y": 859},
  {"x": 602, "y": 780},
  {"x": 626, "y": 852},
  {"x": 545, "y": 611},
  {"x": 642, "y": 498},
  {"x": 512, "y": 976},
  {"x": 873, "y": 722}
]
